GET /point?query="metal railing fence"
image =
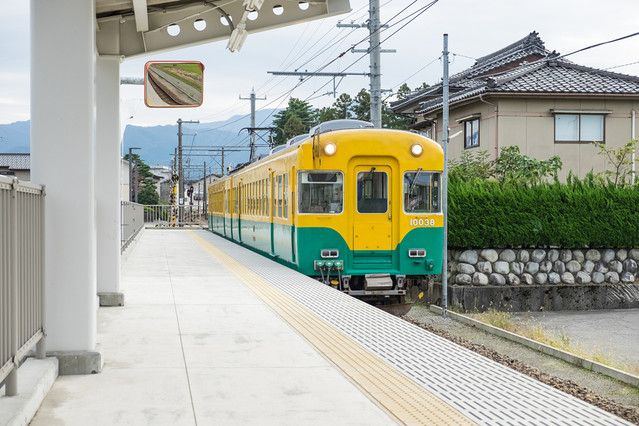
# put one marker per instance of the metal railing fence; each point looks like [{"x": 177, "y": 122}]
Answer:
[
  {"x": 131, "y": 222},
  {"x": 163, "y": 216},
  {"x": 22, "y": 284}
]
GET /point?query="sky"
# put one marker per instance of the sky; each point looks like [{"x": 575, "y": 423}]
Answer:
[{"x": 475, "y": 28}]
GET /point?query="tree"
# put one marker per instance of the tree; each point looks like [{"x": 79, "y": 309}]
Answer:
[
  {"x": 325, "y": 114},
  {"x": 621, "y": 161},
  {"x": 342, "y": 106},
  {"x": 297, "y": 108},
  {"x": 148, "y": 195},
  {"x": 294, "y": 127},
  {"x": 147, "y": 189},
  {"x": 362, "y": 105}
]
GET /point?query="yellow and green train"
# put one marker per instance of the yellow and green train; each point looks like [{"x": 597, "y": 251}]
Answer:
[{"x": 357, "y": 207}]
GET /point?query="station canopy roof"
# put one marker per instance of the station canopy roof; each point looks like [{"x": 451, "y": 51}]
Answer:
[{"x": 130, "y": 28}]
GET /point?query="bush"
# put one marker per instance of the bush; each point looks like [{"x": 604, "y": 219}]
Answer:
[{"x": 575, "y": 214}]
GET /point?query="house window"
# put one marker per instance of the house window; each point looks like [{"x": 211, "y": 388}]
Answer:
[
  {"x": 471, "y": 133},
  {"x": 579, "y": 127}
]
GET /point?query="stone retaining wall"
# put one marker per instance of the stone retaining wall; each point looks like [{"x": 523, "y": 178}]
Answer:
[{"x": 516, "y": 267}]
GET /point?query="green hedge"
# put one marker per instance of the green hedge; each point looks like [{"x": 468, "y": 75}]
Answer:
[{"x": 568, "y": 215}]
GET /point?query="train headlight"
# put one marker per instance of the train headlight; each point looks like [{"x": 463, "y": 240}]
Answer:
[
  {"x": 330, "y": 149},
  {"x": 416, "y": 150}
]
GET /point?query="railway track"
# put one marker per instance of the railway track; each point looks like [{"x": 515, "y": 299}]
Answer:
[{"x": 166, "y": 96}]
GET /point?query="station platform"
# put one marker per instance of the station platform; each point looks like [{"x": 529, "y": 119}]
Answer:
[{"x": 215, "y": 334}]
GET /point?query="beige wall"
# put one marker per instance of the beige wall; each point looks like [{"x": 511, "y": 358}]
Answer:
[{"x": 529, "y": 124}]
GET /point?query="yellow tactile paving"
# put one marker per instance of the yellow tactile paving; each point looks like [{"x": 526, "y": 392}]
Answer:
[{"x": 400, "y": 396}]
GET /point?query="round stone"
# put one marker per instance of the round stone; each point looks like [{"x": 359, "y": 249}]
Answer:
[
  {"x": 627, "y": 278},
  {"x": 513, "y": 279},
  {"x": 559, "y": 267},
  {"x": 630, "y": 265},
  {"x": 589, "y": 266},
  {"x": 468, "y": 256},
  {"x": 541, "y": 278},
  {"x": 607, "y": 255},
  {"x": 593, "y": 255},
  {"x": 554, "y": 278},
  {"x": 464, "y": 279},
  {"x": 537, "y": 255},
  {"x": 567, "y": 278},
  {"x": 496, "y": 279},
  {"x": 480, "y": 279},
  {"x": 545, "y": 266},
  {"x": 583, "y": 278},
  {"x": 465, "y": 268},
  {"x": 616, "y": 266},
  {"x": 517, "y": 268},
  {"x": 600, "y": 267},
  {"x": 507, "y": 255},
  {"x": 622, "y": 254},
  {"x": 565, "y": 256},
  {"x": 527, "y": 279},
  {"x": 578, "y": 255},
  {"x": 553, "y": 255},
  {"x": 634, "y": 254},
  {"x": 573, "y": 266},
  {"x": 611, "y": 277},
  {"x": 523, "y": 256},
  {"x": 598, "y": 277},
  {"x": 490, "y": 255},
  {"x": 501, "y": 267},
  {"x": 531, "y": 268},
  {"x": 484, "y": 267}
]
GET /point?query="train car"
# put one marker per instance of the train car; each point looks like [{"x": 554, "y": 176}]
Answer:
[{"x": 357, "y": 207}]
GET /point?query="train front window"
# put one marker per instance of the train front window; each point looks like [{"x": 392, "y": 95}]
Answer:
[
  {"x": 372, "y": 192},
  {"x": 422, "y": 192},
  {"x": 321, "y": 192}
]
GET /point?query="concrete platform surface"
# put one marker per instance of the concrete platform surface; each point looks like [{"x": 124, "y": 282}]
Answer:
[{"x": 193, "y": 346}]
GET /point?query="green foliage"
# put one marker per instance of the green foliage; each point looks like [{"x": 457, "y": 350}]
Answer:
[
  {"x": 362, "y": 106},
  {"x": 148, "y": 194},
  {"x": 472, "y": 165},
  {"x": 342, "y": 106},
  {"x": 513, "y": 167},
  {"x": 575, "y": 214},
  {"x": 510, "y": 167},
  {"x": 294, "y": 127},
  {"x": 296, "y": 108},
  {"x": 621, "y": 161}
]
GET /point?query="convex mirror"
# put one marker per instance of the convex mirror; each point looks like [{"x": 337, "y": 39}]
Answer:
[{"x": 173, "y": 84}]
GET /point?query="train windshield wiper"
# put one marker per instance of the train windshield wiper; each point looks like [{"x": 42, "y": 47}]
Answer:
[{"x": 412, "y": 184}]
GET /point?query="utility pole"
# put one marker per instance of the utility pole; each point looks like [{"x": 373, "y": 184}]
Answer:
[
  {"x": 252, "y": 98},
  {"x": 374, "y": 50},
  {"x": 445, "y": 112},
  {"x": 204, "y": 195},
  {"x": 180, "y": 169},
  {"x": 222, "y": 162},
  {"x": 131, "y": 173}
]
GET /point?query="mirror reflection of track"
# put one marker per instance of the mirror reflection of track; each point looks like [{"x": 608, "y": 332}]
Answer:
[{"x": 165, "y": 95}]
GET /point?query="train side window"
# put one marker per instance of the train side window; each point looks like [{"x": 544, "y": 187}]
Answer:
[
  {"x": 320, "y": 192},
  {"x": 372, "y": 192},
  {"x": 285, "y": 196},
  {"x": 279, "y": 196},
  {"x": 422, "y": 192}
]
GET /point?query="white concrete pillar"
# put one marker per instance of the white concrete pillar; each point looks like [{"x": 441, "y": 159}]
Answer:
[
  {"x": 107, "y": 179},
  {"x": 62, "y": 158}
]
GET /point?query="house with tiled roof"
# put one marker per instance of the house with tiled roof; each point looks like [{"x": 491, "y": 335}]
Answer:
[
  {"x": 18, "y": 165},
  {"x": 528, "y": 96}
]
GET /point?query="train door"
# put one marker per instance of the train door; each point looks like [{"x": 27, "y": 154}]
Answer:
[
  {"x": 240, "y": 206},
  {"x": 372, "y": 216}
]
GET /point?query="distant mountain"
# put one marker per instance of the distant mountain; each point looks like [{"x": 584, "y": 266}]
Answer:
[
  {"x": 14, "y": 137},
  {"x": 158, "y": 143}
]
